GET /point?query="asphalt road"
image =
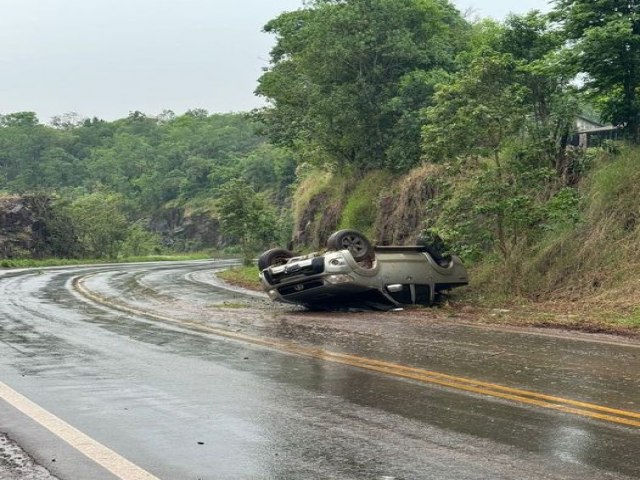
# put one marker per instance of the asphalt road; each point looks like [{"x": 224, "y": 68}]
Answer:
[{"x": 153, "y": 371}]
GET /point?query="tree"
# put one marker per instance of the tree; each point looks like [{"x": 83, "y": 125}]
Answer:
[
  {"x": 139, "y": 241},
  {"x": 245, "y": 216},
  {"x": 511, "y": 104},
  {"x": 99, "y": 224},
  {"x": 483, "y": 211},
  {"x": 508, "y": 91},
  {"x": 604, "y": 45},
  {"x": 477, "y": 111},
  {"x": 19, "y": 119},
  {"x": 23, "y": 142},
  {"x": 58, "y": 168},
  {"x": 159, "y": 168},
  {"x": 67, "y": 121},
  {"x": 549, "y": 97},
  {"x": 342, "y": 77}
]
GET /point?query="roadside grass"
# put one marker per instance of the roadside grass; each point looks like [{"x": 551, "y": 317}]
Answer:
[
  {"x": 246, "y": 277},
  {"x": 632, "y": 321},
  {"x": 585, "y": 316},
  {"x": 584, "y": 276},
  {"x": 361, "y": 207},
  {"x": 55, "y": 262}
]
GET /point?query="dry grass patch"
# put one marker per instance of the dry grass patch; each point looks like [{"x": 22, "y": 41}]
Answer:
[{"x": 401, "y": 208}]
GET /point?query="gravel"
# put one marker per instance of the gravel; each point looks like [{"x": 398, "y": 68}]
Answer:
[{"x": 16, "y": 464}]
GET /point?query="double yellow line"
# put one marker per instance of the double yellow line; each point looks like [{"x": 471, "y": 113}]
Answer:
[{"x": 585, "y": 409}]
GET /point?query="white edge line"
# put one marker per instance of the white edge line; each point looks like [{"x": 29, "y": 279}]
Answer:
[{"x": 102, "y": 455}]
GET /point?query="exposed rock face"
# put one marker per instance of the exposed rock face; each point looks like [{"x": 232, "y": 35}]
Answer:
[
  {"x": 318, "y": 220},
  {"x": 185, "y": 230},
  {"x": 401, "y": 212},
  {"x": 23, "y": 225}
]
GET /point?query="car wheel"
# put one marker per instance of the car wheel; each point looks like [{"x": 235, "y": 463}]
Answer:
[
  {"x": 357, "y": 244},
  {"x": 275, "y": 256}
]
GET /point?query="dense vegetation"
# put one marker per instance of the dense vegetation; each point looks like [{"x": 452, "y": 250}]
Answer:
[
  {"x": 134, "y": 185},
  {"x": 397, "y": 117}
]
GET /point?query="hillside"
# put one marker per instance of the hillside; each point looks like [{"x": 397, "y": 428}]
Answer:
[
  {"x": 568, "y": 256},
  {"x": 137, "y": 185}
]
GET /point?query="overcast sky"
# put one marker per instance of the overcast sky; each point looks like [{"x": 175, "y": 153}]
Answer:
[{"x": 106, "y": 58}]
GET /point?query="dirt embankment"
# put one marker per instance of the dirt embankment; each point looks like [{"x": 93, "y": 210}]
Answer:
[
  {"x": 399, "y": 214},
  {"x": 401, "y": 211}
]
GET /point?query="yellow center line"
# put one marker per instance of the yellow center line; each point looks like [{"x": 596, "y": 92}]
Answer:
[{"x": 585, "y": 409}]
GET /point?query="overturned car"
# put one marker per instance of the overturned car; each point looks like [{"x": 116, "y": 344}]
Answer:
[{"x": 352, "y": 271}]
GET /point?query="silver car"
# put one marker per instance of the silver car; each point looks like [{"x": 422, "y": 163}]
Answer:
[{"x": 354, "y": 272}]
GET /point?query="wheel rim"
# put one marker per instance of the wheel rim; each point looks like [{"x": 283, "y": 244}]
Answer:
[{"x": 354, "y": 244}]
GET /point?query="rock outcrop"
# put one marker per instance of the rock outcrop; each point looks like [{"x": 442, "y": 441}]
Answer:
[{"x": 24, "y": 227}]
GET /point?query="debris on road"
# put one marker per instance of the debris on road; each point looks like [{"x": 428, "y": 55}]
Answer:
[{"x": 16, "y": 464}]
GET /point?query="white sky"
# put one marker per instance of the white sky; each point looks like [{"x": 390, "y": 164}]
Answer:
[{"x": 106, "y": 58}]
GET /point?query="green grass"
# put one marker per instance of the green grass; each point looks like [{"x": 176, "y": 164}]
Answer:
[
  {"x": 362, "y": 205},
  {"x": 246, "y": 277},
  {"x": 632, "y": 321},
  {"x": 55, "y": 262}
]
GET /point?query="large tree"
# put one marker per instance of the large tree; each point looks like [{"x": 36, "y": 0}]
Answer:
[
  {"x": 604, "y": 42},
  {"x": 345, "y": 79},
  {"x": 549, "y": 96},
  {"x": 479, "y": 108}
]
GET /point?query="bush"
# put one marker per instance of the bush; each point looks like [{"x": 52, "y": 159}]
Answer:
[
  {"x": 140, "y": 242},
  {"x": 99, "y": 223},
  {"x": 247, "y": 217}
]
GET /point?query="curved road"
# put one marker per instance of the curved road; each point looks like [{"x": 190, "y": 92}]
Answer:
[{"x": 155, "y": 371}]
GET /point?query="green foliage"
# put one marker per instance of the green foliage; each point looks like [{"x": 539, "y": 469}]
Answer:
[
  {"x": 154, "y": 165},
  {"x": 502, "y": 212},
  {"x": 563, "y": 210},
  {"x": 61, "y": 239},
  {"x": 506, "y": 93},
  {"x": 361, "y": 208},
  {"x": 347, "y": 79},
  {"x": 150, "y": 161},
  {"x": 247, "y": 217},
  {"x": 475, "y": 113},
  {"x": 140, "y": 242},
  {"x": 19, "y": 119},
  {"x": 604, "y": 44},
  {"x": 99, "y": 223}
]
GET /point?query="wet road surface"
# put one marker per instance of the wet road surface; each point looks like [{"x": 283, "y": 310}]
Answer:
[{"x": 170, "y": 376}]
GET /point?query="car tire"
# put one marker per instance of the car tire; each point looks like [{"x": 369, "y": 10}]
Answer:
[
  {"x": 358, "y": 245},
  {"x": 275, "y": 256}
]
